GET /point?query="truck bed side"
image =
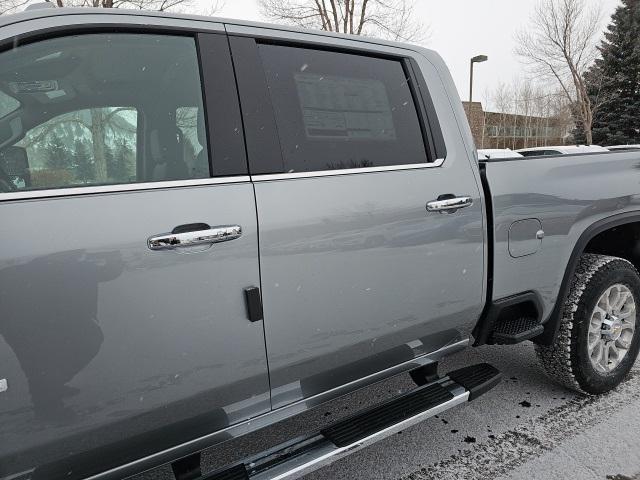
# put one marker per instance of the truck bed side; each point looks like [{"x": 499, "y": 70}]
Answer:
[{"x": 588, "y": 202}]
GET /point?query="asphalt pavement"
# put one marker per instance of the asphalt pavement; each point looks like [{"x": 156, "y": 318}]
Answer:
[{"x": 526, "y": 428}]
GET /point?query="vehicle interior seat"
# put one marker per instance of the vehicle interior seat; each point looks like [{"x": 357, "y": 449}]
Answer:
[{"x": 167, "y": 154}]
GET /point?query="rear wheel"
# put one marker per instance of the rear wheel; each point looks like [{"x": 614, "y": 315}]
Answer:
[{"x": 597, "y": 342}]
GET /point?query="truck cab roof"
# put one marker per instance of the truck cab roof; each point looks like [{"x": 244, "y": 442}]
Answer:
[{"x": 41, "y": 12}]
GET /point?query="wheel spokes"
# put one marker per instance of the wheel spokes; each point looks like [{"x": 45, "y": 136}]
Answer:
[
  {"x": 611, "y": 328},
  {"x": 628, "y": 311},
  {"x": 624, "y": 343},
  {"x": 613, "y": 295},
  {"x": 613, "y": 351},
  {"x": 603, "y": 303},
  {"x": 596, "y": 352},
  {"x": 593, "y": 340},
  {"x": 595, "y": 326},
  {"x": 604, "y": 361},
  {"x": 629, "y": 326},
  {"x": 622, "y": 300},
  {"x": 626, "y": 314}
]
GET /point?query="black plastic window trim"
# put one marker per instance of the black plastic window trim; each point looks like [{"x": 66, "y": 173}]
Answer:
[
  {"x": 430, "y": 113},
  {"x": 223, "y": 120}
]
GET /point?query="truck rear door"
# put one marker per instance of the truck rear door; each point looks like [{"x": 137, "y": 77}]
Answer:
[
  {"x": 119, "y": 337},
  {"x": 357, "y": 275}
]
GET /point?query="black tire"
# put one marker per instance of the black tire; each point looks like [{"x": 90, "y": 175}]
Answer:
[{"x": 567, "y": 360}]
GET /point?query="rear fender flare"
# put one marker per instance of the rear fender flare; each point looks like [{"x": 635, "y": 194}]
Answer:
[{"x": 552, "y": 323}]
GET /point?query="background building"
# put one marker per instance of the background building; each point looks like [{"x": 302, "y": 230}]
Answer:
[{"x": 514, "y": 131}]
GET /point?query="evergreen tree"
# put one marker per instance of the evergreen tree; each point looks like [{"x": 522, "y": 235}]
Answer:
[
  {"x": 58, "y": 155},
  {"x": 82, "y": 161},
  {"x": 109, "y": 162},
  {"x": 118, "y": 161},
  {"x": 614, "y": 80}
]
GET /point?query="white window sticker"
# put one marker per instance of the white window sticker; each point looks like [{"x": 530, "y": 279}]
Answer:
[{"x": 341, "y": 107}]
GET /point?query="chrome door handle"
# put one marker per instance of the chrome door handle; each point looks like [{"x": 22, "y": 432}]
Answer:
[
  {"x": 169, "y": 241},
  {"x": 449, "y": 204}
]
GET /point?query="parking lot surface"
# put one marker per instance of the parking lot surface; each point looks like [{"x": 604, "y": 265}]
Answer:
[{"x": 526, "y": 428}]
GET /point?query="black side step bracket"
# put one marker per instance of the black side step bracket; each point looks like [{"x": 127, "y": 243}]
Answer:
[
  {"x": 239, "y": 472},
  {"x": 187, "y": 468}
]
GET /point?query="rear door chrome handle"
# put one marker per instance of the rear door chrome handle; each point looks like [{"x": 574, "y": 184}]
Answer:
[
  {"x": 450, "y": 204},
  {"x": 170, "y": 241}
]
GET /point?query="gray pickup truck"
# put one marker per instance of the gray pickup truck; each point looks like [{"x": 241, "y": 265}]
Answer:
[{"x": 209, "y": 226}]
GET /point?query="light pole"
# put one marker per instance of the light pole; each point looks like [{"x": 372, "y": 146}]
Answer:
[{"x": 476, "y": 59}]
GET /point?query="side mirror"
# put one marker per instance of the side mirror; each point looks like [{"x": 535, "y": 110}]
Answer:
[{"x": 15, "y": 164}]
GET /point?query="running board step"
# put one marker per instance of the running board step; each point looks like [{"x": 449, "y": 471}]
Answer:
[
  {"x": 386, "y": 415},
  {"x": 516, "y": 330},
  {"x": 477, "y": 379},
  {"x": 303, "y": 455}
]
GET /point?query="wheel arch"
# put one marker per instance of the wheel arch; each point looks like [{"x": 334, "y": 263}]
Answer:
[{"x": 595, "y": 239}]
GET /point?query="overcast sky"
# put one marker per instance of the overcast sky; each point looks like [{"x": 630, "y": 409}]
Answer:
[{"x": 461, "y": 29}]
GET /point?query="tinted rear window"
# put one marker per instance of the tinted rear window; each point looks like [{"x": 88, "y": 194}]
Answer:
[
  {"x": 338, "y": 110},
  {"x": 539, "y": 153}
]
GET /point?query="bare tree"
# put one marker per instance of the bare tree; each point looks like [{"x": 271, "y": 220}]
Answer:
[
  {"x": 502, "y": 99},
  {"x": 562, "y": 44},
  {"x": 487, "y": 96},
  {"x": 526, "y": 114},
  {"x": 212, "y": 7},
  {"x": 390, "y": 19},
  {"x": 11, "y": 6}
]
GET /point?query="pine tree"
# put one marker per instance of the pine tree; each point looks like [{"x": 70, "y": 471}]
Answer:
[
  {"x": 614, "y": 80},
  {"x": 58, "y": 155},
  {"x": 82, "y": 161},
  {"x": 118, "y": 161}
]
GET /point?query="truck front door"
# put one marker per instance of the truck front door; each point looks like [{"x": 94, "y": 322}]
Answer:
[{"x": 118, "y": 338}]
